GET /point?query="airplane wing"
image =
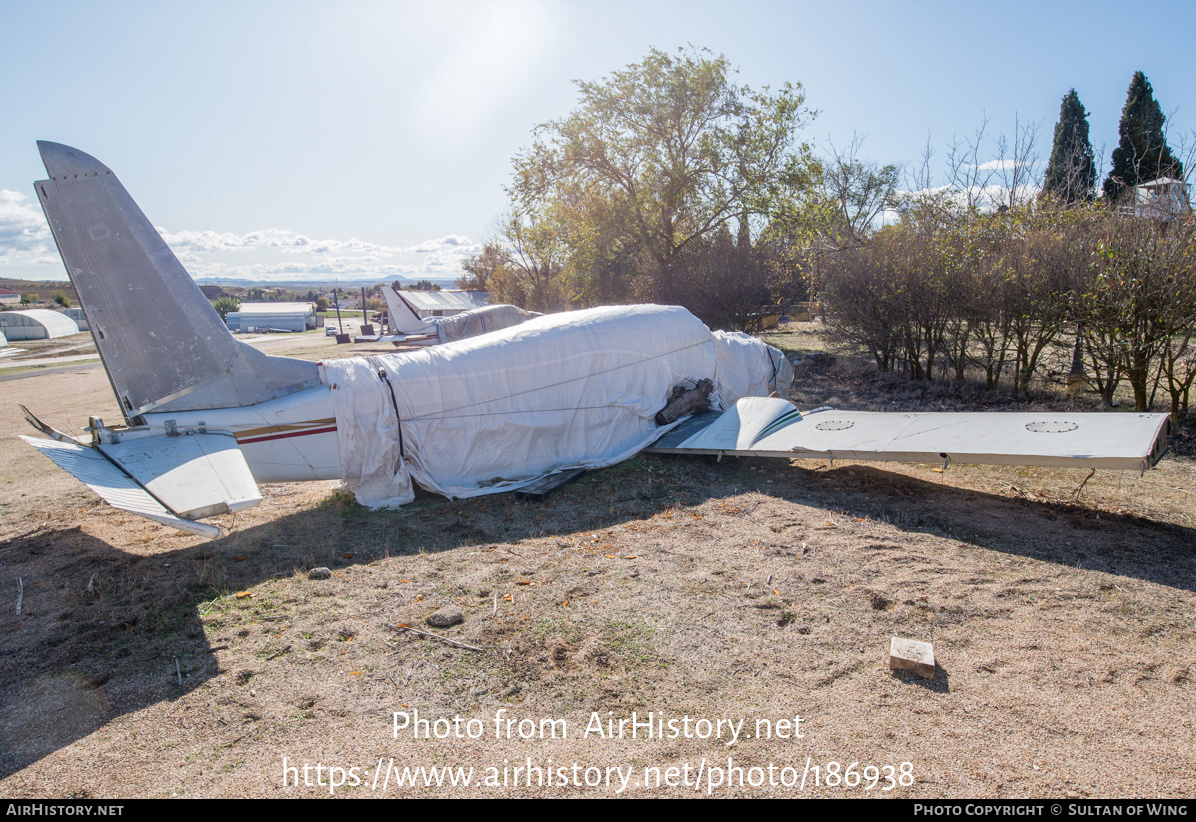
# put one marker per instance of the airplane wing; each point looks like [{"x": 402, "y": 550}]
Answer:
[{"x": 770, "y": 427}]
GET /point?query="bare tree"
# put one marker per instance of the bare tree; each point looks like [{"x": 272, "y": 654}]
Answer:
[
  {"x": 918, "y": 176},
  {"x": 859, "y": 192},
  {"x": 965, "y": 171},
  {"x": 1015, "y": 164},
  {"x": 1141, "y": 301}
]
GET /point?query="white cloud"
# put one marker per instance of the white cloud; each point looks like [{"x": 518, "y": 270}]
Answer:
[
  {"x": 23, "y": 228},
  {"x": 270, "y": 254},
  {"x": 450, "y": 241},
  {"x": 206, "y": 242},
  {"x": 278, "y": 254},
  {"x": 999, "y": 165}
]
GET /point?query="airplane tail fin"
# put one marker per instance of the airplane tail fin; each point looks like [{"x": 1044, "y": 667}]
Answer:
[
  {"x": 403, "y": 318},
  {"x": 163, "y": 345}
]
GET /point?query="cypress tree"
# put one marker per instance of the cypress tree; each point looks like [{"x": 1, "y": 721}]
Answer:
[
  {"x": 1142, "y": 153},
  {"x": 1071, "y": 173}
]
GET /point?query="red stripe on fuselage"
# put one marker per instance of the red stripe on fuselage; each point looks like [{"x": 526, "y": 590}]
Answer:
[{"x": 284, "y": 436}]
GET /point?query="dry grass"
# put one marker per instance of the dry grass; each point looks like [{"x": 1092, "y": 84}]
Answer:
[{"x": 1063, "y": 628}]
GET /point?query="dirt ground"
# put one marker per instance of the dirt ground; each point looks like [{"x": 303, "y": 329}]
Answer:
[{"x": 148, "y": 662}]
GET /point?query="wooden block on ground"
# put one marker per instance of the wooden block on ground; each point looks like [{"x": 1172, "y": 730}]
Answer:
[
  {"x": 911, "y": 655},
  {"x": 542, "y": 488}
]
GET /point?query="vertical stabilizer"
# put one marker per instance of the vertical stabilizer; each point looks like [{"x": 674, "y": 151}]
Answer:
[
  {"x": 401, "y": 316},
  {"x": 165, "y": 348}
]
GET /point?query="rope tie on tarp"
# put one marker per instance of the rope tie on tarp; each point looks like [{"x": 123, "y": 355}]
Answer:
[{"x": 382, "y": 375}]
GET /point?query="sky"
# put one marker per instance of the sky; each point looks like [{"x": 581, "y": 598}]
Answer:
[{"x": 360, "y": 140}]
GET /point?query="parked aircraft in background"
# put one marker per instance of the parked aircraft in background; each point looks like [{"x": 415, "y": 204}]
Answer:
[{"x": 408, "y": 328}]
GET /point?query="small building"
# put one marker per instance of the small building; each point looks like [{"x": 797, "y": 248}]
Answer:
[
  {"x": 9, "y": 297},
  {"x": 36, "y": 324},
  {"x": 258, "y": 317},
  {"x": 444, "y": 303},
  {"x": 77, "y": 315},
  {"x": 1162, "y": 199}
]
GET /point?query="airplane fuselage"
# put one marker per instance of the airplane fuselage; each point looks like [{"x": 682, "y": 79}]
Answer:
[{"x": 290, "y": 439}]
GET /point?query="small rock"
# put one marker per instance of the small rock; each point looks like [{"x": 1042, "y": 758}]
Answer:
[
  {"x": 446, "y": 617},
  {"x": 319, "y": 573}
]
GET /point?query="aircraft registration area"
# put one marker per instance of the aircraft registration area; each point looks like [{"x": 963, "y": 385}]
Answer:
[{"x": 207, "y": 417}]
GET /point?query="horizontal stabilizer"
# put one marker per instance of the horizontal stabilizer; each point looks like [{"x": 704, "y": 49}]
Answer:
[
  {"x": 117, "y": 488},
  {"x": 195, "y": 475},
  {"x": 774, "y": 428}
]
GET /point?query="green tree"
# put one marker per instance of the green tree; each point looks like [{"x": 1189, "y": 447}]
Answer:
[
  {"x": 61, "y": 299},
  {"x": 1142, "y": 297},
  {"x": 322, "y": 304},
  {"x": 664, "y": 151},
  {"x": 726, "y": 282},
  {"x": 481, "y": 268},
  {"x": 535, "y": 260},
  {"x": 1071, "y": 172},
  {"x": 1142, "y": 153},
  {"x": 226, "y": 304}
]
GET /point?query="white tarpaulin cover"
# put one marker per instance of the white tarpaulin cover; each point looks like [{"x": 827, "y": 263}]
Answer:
[
  {"x": 494, "y": 413},
  {"x": 749, "y": 368},
  {"x": 480, "y": 321}
]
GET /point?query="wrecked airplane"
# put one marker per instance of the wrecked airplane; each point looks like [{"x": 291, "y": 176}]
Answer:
[{"x": 207, "y": 417}]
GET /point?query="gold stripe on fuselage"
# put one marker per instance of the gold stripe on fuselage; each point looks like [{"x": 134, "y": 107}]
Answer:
[{"x": 279, "y": 429}]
